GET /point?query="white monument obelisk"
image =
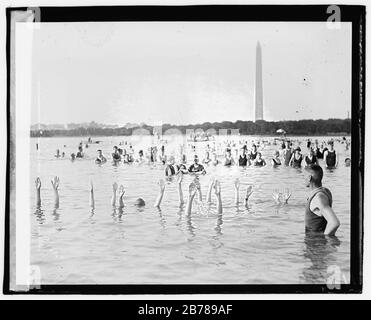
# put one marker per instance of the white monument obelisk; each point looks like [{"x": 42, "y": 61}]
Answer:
[{"x": 258, "y": 84}]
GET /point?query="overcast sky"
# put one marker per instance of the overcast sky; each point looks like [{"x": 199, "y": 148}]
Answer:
[{"x": 188, "y": 72}]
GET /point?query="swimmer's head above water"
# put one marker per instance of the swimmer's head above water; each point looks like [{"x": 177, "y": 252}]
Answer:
[
  {"x": 315, "y": 175},
  {"x": 195, "y": 159},
  {"x": 331, "y": 145},
  {"x": 139, "y": 202},
  {"x": 347, "y": 162},
  {"x": 171, "y": 160}
]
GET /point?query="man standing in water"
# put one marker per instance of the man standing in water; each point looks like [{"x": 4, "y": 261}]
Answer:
[
  {"x": 287, "y": 153},
  {"x": 196, "y": 167},
  {"x": 330, "y": 157},
  {"x": 319, "y": 216},
  {"x": 100, "y": 158}
]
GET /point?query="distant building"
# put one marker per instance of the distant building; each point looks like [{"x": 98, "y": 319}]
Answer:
[{"x": 258, "y": 85}]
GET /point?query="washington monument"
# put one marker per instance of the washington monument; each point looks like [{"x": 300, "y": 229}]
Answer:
[{"x": 258, "y": 85}]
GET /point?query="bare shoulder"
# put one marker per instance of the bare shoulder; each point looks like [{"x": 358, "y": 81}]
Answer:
[{"x": 320, "y": 200}]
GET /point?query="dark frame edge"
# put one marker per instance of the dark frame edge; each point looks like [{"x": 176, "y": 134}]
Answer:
[
  {"x": 358, "y": 130},
  {"x": 6, "y": 276}
]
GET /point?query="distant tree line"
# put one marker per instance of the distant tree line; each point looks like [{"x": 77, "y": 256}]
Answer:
[{"x": 260, "y": 127}]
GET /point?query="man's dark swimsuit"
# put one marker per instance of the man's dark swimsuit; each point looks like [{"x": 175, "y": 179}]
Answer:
[
  {"x": 116, "y": 157},
  {"x": 318, "y": 153},
  {"x": 296, "y": 163},
  {"x": 193, "y": 169},
  {"x": 242, "y": 161},
  {"x": 309, "y": 161},
  {"x": 228, "y": 162},
  {"x": 331, "y": 159},
  {"x": 100, "y": 160},
  {"x": 313, "y": 222},
  {"x": 288, "y": 155},
  {"x": 259, "y": 163}
]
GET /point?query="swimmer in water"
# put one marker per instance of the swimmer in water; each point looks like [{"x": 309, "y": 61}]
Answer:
[
  {"x": 209, "y": 191},
  {"x": 309, "y": 144},
  {"x": 195, "y": 188},
  {"x": 310, "y": 158},
  {"x": 80, "y": 153},
  {"x": 330, "y": 157},
  {"x": 138, "y": 202},
  {"x": 347, "y": 144},
  {"x": 287, "y": 153},
  {"x": 243, "y": 159},
  {"x": 253, "y": 152},
  {"x": 276, "y": 161},
  {"x": 180, "y": 190},
  {"x": 319, "y": 215},
  {"x": 182, "y": 166},
  {"x": 215, "y": 160},
  {"x": 249, "y": 192},
  {"x": 120, "y": 194},
  {"x": 162, "y": 157},
  {"x": 316, "y": 150},
  {"x": 296, "y": 158},
  {"x": 91, "y": 196},
  {"x": 281, "y": 197},
  {"x": 141, "y": 157},
  {"x": 171, "y": 169},
  {"x": 124, "y": 156},
  {"x": 228, "y": 161},
  {"x": 55, "y": 185},
  {"x": 207, "y": 159},
  {"x": 116, "y": 154},
  {"x": 38, "y": 187},
  {"x": 100, "y": 158},
  {"x": 347, "y": 162},
  {"x": 259, "y": 161},
  {"x": 196, "y": 167}
]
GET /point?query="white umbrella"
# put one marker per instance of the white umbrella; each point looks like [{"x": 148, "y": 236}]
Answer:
[{"x": 281, "y": 131}]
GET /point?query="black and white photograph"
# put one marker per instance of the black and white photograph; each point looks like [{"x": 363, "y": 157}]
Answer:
[{"x": 185, "y": 150}]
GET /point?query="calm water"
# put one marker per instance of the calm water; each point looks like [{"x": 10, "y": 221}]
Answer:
[{"x": 264, "y": 244}]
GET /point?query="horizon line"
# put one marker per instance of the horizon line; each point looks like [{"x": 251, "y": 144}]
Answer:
[{"x": 189, "y": 124}]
